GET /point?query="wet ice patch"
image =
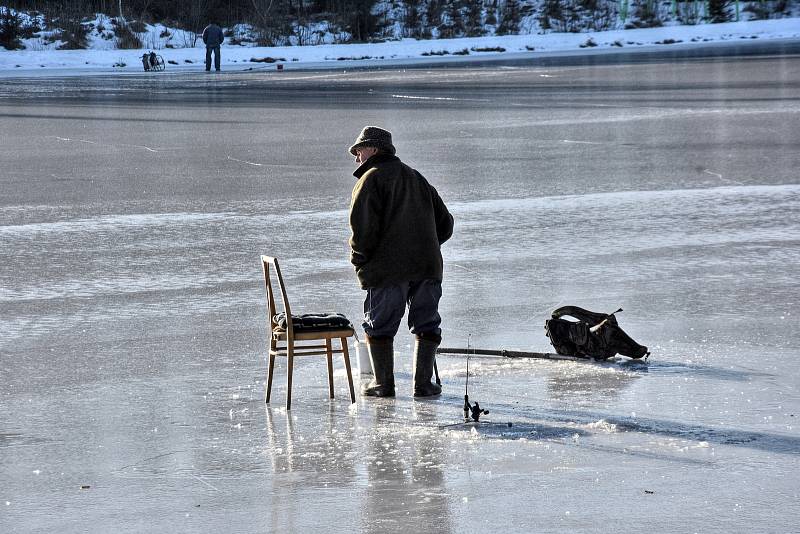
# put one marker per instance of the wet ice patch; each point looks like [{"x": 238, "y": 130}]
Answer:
[
  {"x": 601, "y": 426},
  {"x": 109, "y": 222},
  {"x": 509, "y": 222},
  {"x": 490, "y": 430},
  {"x": 680, "y": 446}
]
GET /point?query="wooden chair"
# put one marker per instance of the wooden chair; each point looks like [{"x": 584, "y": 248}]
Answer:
[{"x": 291, "y": 342}]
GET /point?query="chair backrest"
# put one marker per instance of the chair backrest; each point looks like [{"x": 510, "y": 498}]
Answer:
[{"x": 270, "y": 265}]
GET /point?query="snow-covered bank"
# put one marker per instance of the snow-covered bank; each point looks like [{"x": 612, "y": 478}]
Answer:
[{"x": 403, "y": 52}]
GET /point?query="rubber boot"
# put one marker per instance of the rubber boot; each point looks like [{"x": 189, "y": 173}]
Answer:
[
  {"x": 424, "y": 355},
  {"x": 381, "y": 356}
]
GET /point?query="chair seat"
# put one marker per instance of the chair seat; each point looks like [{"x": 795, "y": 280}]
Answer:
[
  {"x": 312, "y": 321},
  {"x": 323, "y": 333}
]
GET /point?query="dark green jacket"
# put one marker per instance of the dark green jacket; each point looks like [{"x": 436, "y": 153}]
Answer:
[{"x": 398, "y": 221}]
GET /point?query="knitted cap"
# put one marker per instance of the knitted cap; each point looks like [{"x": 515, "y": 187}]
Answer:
[{"x": 374, "y": 137}]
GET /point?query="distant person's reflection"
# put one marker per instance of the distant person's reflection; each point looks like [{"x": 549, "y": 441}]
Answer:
[{"x": 405, "y": 470}]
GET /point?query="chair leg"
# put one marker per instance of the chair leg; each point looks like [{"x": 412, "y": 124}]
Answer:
[
  {"x": 329, "y": 355},
  {"x": 270, "y": 370},
  {"x": 289, "y": 369},
  {"x": 346, "y": 354}
]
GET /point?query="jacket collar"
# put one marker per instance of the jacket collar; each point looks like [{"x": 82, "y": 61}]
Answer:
[{"x": 372, "y": 161}]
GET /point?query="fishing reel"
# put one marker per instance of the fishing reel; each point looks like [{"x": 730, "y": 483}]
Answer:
[{"x": 472, "y": 412}]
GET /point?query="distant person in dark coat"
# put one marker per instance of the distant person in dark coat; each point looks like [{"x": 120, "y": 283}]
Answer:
[
  {"x": 213, "y": 38},
  {"x": 398, "y": 223}
]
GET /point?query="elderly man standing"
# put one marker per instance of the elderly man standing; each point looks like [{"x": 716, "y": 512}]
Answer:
[
  {"x": 213, "y": 38},
  {"x": 398, "y": 222}
]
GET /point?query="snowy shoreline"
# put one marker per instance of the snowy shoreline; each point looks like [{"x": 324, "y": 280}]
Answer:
[{"x": 406, "y": 52}]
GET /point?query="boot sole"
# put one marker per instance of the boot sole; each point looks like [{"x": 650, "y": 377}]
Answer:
[
  {"x": 376, "y": 394},
  {"x": 424, "y": 396}
]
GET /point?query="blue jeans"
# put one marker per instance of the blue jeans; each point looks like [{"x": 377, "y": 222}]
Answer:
[{"x": 384, "y": 308}]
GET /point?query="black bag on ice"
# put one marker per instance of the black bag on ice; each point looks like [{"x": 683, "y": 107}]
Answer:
[{"x": 593, "y": 335}]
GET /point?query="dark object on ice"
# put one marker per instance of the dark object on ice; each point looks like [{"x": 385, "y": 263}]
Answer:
[
  {"x": 593, "y": 335},
  {"x": 313, "y": 321},
  {"x": 152, "y": 61}
]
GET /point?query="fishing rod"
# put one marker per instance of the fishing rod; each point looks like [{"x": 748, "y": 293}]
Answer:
[
  {"x": 471, "y": 413},
  {"x": 508, "y": 353},
  {"x": 517, "y": 354}
]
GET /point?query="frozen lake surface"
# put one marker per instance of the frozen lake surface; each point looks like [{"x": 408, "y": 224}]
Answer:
[{"x": 133, "y": 212}]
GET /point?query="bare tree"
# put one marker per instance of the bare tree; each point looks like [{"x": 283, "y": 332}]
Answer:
[
  {"x": 194, "y": 18},
  {"x": 261, "y": 10},
  {"x": 273, "y": 20}
]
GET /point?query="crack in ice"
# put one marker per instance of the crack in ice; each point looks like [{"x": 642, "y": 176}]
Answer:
[
  {"x": 104, "y": 144},
  {"x": 246, "y": 162},
  {"x": 447, "y": 98}
]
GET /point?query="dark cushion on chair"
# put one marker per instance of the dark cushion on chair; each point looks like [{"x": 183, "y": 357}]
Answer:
[{"x": 309, "y": 322}]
